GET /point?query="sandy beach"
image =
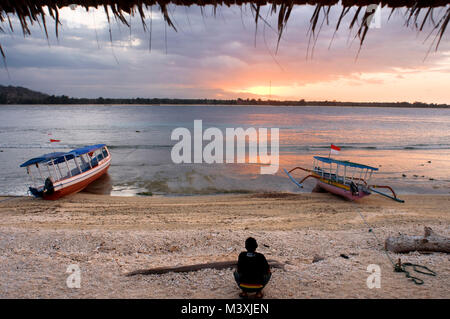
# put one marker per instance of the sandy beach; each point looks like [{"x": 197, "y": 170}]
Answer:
[{"x": 110, "y": 236}]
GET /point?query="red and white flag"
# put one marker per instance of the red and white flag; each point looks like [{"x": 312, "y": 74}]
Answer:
[{"x": 334, "y": 149}]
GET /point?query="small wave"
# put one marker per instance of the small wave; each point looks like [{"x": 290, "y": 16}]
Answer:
[
  {"x": 285, "y": 148},
  {"x": 211, "y": 191},
  {"x": 72, "y": 146},
  {"x": 139, "y": 146},
  {"x": 426, "y": 147},
  {"x": 288, "y": 148},
  {"x": 26, "y": 146},
  {"x": 325, "y": 147}
]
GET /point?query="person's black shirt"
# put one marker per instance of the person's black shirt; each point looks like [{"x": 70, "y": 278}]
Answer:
[{"x": 252, "y": 267}]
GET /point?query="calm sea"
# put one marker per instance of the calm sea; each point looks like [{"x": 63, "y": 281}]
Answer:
[{"x": 411, "y": 147}]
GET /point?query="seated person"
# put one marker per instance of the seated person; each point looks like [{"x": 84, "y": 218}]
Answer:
[{"x": 253, "y": 271}]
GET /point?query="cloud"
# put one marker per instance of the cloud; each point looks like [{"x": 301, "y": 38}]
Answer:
[{"x": 217, "y": 57}]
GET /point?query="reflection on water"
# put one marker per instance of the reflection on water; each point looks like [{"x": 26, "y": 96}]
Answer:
[
  {"x": 411, "y": 147},
  {"x": 101, "y": 186}
]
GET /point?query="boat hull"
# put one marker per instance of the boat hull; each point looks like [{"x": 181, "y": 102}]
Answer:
[
  {"x": 81, "y": 183},
  {"x": 341, "y": 191}
]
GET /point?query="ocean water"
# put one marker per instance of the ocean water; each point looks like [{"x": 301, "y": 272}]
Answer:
[{"x": 411, "y": 147}]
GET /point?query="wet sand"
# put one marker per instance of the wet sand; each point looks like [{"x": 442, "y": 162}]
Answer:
[{"x": 110, "y": 236}]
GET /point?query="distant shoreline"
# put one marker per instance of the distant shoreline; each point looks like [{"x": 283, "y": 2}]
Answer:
[
  {"x": 389, "y": 105},
  {"x": 11, "y": 95}
]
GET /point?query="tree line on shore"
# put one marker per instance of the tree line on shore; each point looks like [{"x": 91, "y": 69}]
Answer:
[{"x": 18, "y": 95}]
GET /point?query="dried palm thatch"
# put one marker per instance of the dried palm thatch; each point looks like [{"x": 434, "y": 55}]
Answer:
[{"x": 29, "y": 12}]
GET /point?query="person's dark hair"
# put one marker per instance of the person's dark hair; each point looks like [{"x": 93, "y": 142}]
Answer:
[{"x": 251, "y": 244}]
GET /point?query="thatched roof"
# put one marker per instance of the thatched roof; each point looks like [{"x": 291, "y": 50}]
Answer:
[{"x": 418, "y": 12}]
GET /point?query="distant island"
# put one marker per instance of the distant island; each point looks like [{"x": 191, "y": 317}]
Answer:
[{"x": 21, "y": 95}]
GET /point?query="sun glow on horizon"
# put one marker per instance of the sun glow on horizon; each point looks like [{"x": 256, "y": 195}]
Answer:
[
  {"x": 399, "y": 85},
  {"x": 265, "y": 91}
]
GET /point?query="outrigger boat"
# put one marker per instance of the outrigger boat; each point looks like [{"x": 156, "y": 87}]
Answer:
[
  {"x": 344, "y": 178},
  {"x": 60, "y": 174}
]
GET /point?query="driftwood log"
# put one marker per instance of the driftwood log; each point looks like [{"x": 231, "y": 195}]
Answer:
[
  {"x": 214, "y": 265},
  {"x": 430, "y": 242}
]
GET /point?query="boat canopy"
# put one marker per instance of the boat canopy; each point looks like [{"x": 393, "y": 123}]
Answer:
[
  {"x": 329, "y": 160},
  {"x": 43, "y": 158},
  {"x": 59, "y": 157}
]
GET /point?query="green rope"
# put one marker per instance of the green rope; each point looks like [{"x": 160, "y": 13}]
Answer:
[
  {"x": 399, "y": 267},
  {"x": 374, "y": 235}
]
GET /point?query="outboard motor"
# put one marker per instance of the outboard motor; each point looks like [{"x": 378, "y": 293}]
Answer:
[{"x": 35, "y": 192}]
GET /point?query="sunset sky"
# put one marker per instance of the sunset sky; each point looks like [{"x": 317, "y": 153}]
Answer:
[{"x": 216, "y": 57}]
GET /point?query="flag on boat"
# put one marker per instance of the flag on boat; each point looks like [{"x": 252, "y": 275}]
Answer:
[
  {"x": 334, "y": 149},
  {"x": 52, "y": 140}
]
